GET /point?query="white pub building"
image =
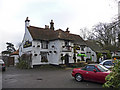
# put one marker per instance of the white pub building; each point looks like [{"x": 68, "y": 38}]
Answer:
[{"x": 48, "y": 46}]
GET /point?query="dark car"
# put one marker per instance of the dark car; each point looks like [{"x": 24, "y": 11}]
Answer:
[
  {"x": 2, "y": 65},
  {"x": 91, "y": 72}
]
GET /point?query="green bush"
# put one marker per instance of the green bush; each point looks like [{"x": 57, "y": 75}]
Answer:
[
  {"x": 113, "y": 79},
  {"x": 117, "y": 57},
  {"x": 79, "y": 64},
  {"x": 23, "y": 64},
  {"x": 78, "y": 60},
  {"x": 98, "y": 56},
  {"x": 90, "y": 62},
  {"x": 74, "y": 65},
  {"x": 109, "y": 55},
  {"x": 44, "y": 60}
]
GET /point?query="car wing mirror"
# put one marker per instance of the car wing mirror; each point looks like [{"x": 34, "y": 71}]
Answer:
[{"x": 94, "y": 70}]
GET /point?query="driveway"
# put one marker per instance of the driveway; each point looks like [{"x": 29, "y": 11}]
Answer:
[{"x": 42, "y": 78}]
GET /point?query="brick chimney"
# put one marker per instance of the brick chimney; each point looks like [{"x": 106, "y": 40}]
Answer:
[
  {"x": 67, "y": 31},
  {"x": 52, "y": 25}
]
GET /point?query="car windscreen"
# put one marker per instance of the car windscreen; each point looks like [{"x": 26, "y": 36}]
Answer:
[
  {"x": 108, "y": 63},
  {"x": 102, "y": 68}
]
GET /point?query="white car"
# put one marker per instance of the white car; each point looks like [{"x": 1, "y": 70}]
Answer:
[
  {"x": 107, "y": 63},
  {"x": 2, "y": 65}
]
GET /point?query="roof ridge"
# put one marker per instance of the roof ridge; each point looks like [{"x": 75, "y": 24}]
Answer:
[{"x": 36, "y": 27}]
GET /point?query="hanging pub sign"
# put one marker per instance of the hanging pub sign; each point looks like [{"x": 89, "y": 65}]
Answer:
[{"x": 27, "y": 44}]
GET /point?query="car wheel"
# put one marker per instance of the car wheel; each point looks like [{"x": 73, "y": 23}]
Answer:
[{"x": 78, "y": 77}]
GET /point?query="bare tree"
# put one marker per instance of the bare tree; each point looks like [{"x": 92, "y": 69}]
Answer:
[
  {"x": 10, "y": 47},
  {"x": 85, "y": 33},
  {"x": 107, "y": 34}
]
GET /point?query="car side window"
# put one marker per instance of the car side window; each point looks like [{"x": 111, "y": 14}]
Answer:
[
  {"x": 97, "y": 70},
  {"x": 84, "y": 68},
  {"x": 107, "y": 63},
  {"x": 90, "y": 68}
]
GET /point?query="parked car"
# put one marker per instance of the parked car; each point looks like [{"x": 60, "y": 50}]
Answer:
[
  {"x": 2, "y": 65},
  {"x": 91, "y": 72},
  {"x": 108, "y": 63}
]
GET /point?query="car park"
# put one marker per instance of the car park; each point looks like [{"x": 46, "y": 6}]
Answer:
[
  {"x": 108, "y": 63},
  {"x": 91, "y": 72},
  {"x": 2, "y": 65}
]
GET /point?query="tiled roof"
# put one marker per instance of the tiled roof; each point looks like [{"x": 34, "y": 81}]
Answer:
[
  {"x": 94, "y": 46},
  {"x": 48, "y": 34}
]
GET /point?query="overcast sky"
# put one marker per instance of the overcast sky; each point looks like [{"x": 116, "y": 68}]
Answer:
[{"x": 75, "y": 14}]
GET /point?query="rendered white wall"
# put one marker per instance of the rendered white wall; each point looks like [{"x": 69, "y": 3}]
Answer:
[
  {"x": 27, "y": 36},
  {"x": 36, "y": 60},
  {"x": 54, "y": 57}
]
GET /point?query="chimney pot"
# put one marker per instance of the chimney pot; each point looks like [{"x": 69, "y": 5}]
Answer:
[
  {"x": 46, "y": 26},
  {"x": 67, "y": 30}
]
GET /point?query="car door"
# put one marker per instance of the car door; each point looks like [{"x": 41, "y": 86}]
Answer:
[
  {"x": 89, "y": 73},
  {"x": 93, "y": 76},
  {"x": 98, "y": 76}
]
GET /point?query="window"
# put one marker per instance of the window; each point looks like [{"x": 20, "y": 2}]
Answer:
[
  {"x": 44, "y": 57},
  {"x": 44, "y": 44},
  {"x": 66, "y": 43},
  {"x": 82, "y": 48}
]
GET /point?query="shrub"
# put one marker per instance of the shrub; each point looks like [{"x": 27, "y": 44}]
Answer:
[
  {"x": 98, "y": 56},
  {"x": 117, "y": 57},
  {"x": 88, "y": 59},
  {"x": 113, "y": 79},
  {"x": 79, "y": 64},
  {"x": 23, "y": 64},
  {"x": 90, "y": 62},
  {"x": 74, "y": 65},
  {"x": 109, "y": 55},
  {"x": 78, "y": 60},
  {"x": 44, "y": 60}
]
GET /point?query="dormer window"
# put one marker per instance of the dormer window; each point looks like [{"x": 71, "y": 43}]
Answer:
[
  {"x": 44, "y": 44},
  {"x": 38, "y": 45},
  {"x": 82, "y": 47},
  {"x": 66, "y": 43}
]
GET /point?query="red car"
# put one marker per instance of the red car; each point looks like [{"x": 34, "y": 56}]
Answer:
[{"x": 91, "y": 72}]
